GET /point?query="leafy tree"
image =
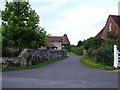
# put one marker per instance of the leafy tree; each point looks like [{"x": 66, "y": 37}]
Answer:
[
  {"x": 20, "y": 26},
  {"x": 93, "y": 42},
  {"x": 80, "y": 43}
]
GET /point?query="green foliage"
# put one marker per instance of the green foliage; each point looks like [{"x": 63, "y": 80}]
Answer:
[
  {"x": 77, "y": 50},
  {"x": 105, "y": 53},
  {"x": 80, "y": 43},
  {"x": 20, "y": 26},
  {"x": 92, "y": 64},
  {"x": 100, "y": 49},
  {"x": 111, "y": 35},
  {"x": 93, "y": 42},
  {"x": 71, "y": 53},
  {"x": 80, "y": 50},
  {"x": 67, "y": 47}
]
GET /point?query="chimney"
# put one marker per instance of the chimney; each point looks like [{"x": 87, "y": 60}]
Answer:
[{"x": 119, "y": 8}]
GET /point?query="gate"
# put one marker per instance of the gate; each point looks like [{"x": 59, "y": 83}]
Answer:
[{"x": 116, "y": 57}]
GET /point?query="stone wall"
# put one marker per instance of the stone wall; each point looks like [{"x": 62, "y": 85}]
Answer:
[{"x": 31, "y": 57}]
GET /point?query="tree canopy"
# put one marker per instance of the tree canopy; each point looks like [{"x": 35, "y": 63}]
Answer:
[
  {"x": 80, "y": 43},
  {"x": 20, "y": 26},
  {"x": 93, "y": 42}
]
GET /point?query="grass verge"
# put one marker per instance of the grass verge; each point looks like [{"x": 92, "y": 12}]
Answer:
[
  {"x": 33, "y": 66},
  {"x": 92, "y": 64},
  {"x": 71, "y": 53}
]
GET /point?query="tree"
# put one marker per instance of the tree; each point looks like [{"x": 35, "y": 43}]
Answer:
[
  {"x": 20, "y": 26},
  {"x": 80, "y": 43},
  {"x": 93, "y": 42}
]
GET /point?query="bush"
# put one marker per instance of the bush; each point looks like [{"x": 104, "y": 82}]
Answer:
[
  {"x": 92, "y": 52},
  {"x": 101, "y": 50},
  {"x": 77, "y": 50},
  {"x": 93, "y": 42},
  {"x": 67, "y": 47},
  {"x": 105, "y": 56},
  {"x": 105, "y": 53},
  {"x": 80, "y": 49}
]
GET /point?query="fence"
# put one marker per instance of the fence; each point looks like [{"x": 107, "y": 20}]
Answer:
[{"x": 116, "y": 57}]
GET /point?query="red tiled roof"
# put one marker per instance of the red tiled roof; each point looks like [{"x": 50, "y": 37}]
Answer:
[
  {"x": 55, "y": 38},
  {"x": 65, "y": 40}
]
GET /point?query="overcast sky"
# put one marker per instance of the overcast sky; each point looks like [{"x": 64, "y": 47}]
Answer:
[{"x": 79, "y": 19}]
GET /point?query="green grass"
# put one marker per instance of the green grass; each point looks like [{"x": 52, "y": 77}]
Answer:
[
  {"x": 71, "y": 53},
  {"x": 92, "y": 64},
  {"x": 33, "y": 66}
]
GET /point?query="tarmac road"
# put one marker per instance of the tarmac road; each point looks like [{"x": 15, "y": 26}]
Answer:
[{"x": 68, "y": 73}]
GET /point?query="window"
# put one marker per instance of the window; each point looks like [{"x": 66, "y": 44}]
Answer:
[{"x": 110, "y": 26}]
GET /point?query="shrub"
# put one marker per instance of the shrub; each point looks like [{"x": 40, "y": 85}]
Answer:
[
  {"x": 77, "y": 50},
  {"x": 80, "y": 50},
  {"x": 92, "y": 52},
  {"x": 105, "y": 53},
  {"x": 67, "y": 47},
  {"x": 100, "y": 49},
  {"x": 105, "y": 56},
  {"x": 93, "y": 42}
]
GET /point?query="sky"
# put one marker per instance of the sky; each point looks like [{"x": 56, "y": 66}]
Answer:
[{"x": 79, "y": 19}]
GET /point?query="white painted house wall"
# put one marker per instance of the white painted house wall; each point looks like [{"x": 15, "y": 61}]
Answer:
[{"x": 58, "y": 44}]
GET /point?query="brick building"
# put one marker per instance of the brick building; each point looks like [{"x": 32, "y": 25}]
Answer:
[{"x": 111, "y": 28}]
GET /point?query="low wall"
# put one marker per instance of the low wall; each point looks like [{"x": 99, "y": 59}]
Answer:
[{"x": 31, "y": 57}]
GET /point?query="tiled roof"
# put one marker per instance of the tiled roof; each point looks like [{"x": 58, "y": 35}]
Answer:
[
  {"x": 55, "y": 38},
  {"x": 49, "y": 44},
  {"x": 116, "y": 18},
  {"x": 65, "y": 40}
]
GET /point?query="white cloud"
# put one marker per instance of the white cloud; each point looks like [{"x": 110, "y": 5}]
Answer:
[
  {"x": 39, "y": 1},
  {"x": 80, "y": 22}
]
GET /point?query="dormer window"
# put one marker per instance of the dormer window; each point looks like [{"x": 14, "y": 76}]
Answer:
[{"x": 110, "y": 26}]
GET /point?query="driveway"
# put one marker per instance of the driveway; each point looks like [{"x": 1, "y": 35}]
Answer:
[{"x": 68, "y": 73}]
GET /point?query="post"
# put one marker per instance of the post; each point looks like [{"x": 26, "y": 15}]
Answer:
[{"x": 115, "y": 56}]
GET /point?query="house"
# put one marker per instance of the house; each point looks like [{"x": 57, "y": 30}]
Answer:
[
  {"x": 57, "y": 42},
  {"x": 111, "y": 28}
]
